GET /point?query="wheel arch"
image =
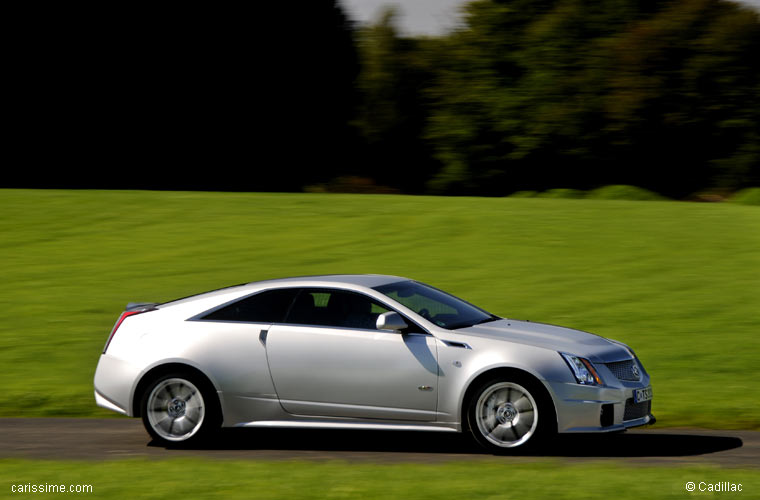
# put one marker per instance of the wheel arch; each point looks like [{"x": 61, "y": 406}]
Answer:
[
  {"x": 173, "y": 367},
  {"x": 507, "y": 373}
]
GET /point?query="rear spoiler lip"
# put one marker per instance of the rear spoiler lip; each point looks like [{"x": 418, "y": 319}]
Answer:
[
  {"x": 133, "y": 309},
  {"x": 141, "y": 306}
]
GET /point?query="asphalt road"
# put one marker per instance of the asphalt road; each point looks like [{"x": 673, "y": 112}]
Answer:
[{"x": 98, "y": 439}]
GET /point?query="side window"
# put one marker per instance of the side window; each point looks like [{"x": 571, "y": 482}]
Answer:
[
  {"x": 335, "y": 308},
  {"x": 265, "y": 307}
]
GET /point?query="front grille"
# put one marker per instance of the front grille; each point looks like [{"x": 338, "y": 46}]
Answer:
[
  {"x": 625, "y": 370},
  {"x": 636, "y": 410}
]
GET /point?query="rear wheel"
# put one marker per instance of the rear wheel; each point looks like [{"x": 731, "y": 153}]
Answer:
[
  {"x": 507, "y": 414},
  {"x": 179, "y": 408}
]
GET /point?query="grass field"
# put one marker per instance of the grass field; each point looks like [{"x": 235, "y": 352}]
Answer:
[
  {"x": 188, "y": 478},
  {"x": 679, "y": 282}
]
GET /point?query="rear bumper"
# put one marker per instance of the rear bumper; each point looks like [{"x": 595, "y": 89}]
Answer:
[
  {"x": 114, "y": 383},
  {"x": 599, "y": 409},
  {"x": 104, "y": 402}
]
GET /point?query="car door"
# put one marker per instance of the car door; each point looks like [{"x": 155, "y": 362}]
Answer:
[{"x": 328, "y": 359}]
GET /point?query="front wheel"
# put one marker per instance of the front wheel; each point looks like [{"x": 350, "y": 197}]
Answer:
[
  {"x": 508, "y": 414},
  {"x": 177, "y": 408}
]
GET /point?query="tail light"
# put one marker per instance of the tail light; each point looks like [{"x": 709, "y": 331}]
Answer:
[{"x": 132, "y": 309}]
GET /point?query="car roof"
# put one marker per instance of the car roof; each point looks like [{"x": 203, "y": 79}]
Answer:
[
  {"x": 365, "y": 280},
  {"x": 362, "y": 280}
]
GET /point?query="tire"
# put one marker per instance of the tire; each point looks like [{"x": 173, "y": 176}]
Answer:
[
  {"x": 180, "y": 408},
  {"x": 505, "y": 415}
]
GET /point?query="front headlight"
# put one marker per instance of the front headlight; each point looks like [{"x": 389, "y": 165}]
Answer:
[{"x": 582, "y": 368}]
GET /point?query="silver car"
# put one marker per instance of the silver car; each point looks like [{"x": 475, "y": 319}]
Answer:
[{"x": 362, "y": 352}]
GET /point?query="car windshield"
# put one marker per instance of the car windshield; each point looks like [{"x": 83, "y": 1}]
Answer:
[{"x": 436, "y": 306}]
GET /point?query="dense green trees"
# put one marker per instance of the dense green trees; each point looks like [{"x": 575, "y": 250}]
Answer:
[
  {"x": 541, "y": 94},
  {"x": 394, "y": 110}
]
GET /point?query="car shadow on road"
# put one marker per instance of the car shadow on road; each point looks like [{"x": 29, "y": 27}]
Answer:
[
  {"x": 649, "y": 444},
  {"x": 640, "y": 444}
]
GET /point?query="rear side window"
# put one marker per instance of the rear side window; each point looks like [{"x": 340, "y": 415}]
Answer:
[{"x": 265, "y": 307}]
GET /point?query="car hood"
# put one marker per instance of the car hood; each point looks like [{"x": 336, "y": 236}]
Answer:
[{"x": 556, "y": 338}]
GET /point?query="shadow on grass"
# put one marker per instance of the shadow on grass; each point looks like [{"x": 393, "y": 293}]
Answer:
[{"x": 649, "y": 444}]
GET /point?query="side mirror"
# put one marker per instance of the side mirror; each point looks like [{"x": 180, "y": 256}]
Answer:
[{"x": 391, "y": 321}]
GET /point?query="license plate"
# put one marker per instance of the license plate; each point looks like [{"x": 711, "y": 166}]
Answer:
[{"x": 641, "y": 395}]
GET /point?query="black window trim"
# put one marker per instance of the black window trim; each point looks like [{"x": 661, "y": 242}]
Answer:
[{"x": 201, "y": 316}]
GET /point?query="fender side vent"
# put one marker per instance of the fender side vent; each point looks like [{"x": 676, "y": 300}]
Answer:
[{"x": 460, "y": 345}]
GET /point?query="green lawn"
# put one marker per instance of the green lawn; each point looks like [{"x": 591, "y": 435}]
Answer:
[
  {"x": 679, "y": 282},
  {"x": 190, "y": 478}
]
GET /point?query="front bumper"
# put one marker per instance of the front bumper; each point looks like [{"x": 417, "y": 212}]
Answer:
[{"x": 599, "y": 409}]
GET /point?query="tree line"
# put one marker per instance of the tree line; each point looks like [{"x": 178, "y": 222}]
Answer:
[{"x": 523, "y": 95}]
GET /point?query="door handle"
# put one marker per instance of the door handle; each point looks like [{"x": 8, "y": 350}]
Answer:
[{"x": 263, "y": 337}]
